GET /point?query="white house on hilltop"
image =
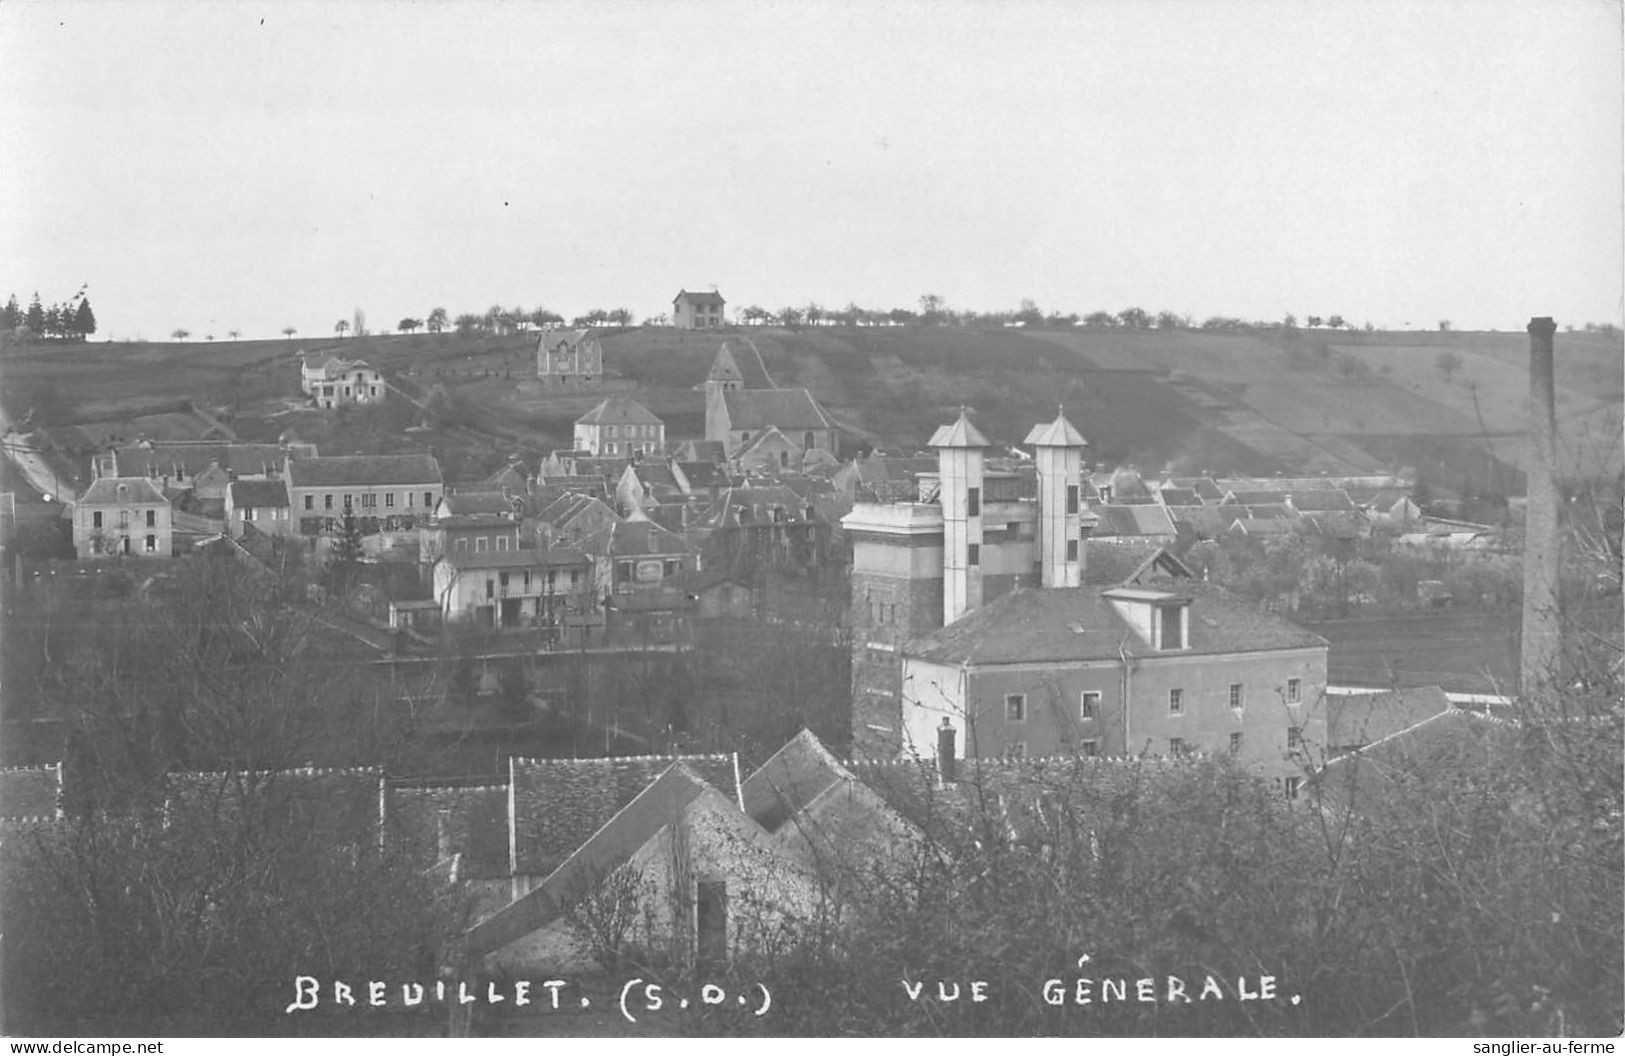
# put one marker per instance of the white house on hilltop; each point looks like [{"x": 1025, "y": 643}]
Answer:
[{"x": 337, "y": 381}]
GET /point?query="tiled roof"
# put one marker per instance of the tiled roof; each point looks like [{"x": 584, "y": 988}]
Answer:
[
  {"x": 560, "y": 803},
  {"x": 634, "y": 537},
  {"x": 1264, "y": 526},
  {"x": 709, "y": 298},
  {"x": 1271, "y": 512},
  {"x": 618, "y": 410},
  {"x": 571, "y": 505},
  {"x": 1206, "y": 487},
  {"x": 104, "y": 491},
  {"x": 703, "y": 474},
  {"x": 785, "y": 408},
  {"x": 1258, "y": 497},
  {"x": 471, "y": 818},
  {"x": 754, "y": 506},
  {"x": 360, "y": 470},
  {"x": 1058, "y": 625},
  {"x": 258, "y": 493},
  {"x": 658, "y": 805}
]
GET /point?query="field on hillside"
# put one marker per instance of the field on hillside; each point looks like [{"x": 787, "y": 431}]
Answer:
[{"x": 1191, "y": 401}]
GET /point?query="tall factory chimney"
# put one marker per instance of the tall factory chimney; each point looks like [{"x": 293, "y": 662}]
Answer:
[{"x": 1541, "y": 651}]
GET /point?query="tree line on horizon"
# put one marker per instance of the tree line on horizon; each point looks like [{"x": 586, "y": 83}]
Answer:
[{"x": 70, "y": 320}]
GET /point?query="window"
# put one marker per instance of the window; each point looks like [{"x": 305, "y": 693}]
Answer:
[
  {"x": 609, "y": 433},
  {"x": 1170, "y": 626},
  {"x": 1071, "y": 498},
  {"x": 575, "y": 577},
  {"x": 327, "y": 502},
  {"x": 389, "y": 500},
  {"x": 310, "y": 502},
  {"x": 1235, "y": 695},
  {"x": 96, "y": 519},
  {"x": 623, "y": 573},
  {"x": 369, "y": 501},
  {"x": 248, "y": 513},
  {"x": 348, "y": 500},
  {"x": 1089, "y": 705},
  {"x": 1090, "y": 747},
  {"x": 428, "y": 499},
  {"x": 1294, "y": 691},
  {"x": 807, "y": 440},
  {"x": 1294, "y": 738},
  {"x": 152, "y": 518},
  {"x": 502, "y": 542},
  {"x": 1017, "y": 750},
  {"x": 1071, "y": 549},
  {"x": 973, "y": 502},
  {"x": 1176, "y": 702},
  {"x": 372, "y": 391},
  {"x": 124, "y": 518},
  {"x": 490, "y": 587},
  {"x": 152, "y": 544},
  {"x": 975, "y": 557},
  {"x": 480, "y": 544},
  {"x": 1293, "y": 784},
  {"x": 1176, "y": 746},
  {"x": 1015, "y": 707},
  {"x": 609, "y": 449},
  {"x": 462, "y": 544},
  {"x": 503, "y": 577},
  {"x": 672, "y": 567},
  {"x": 1235, "y": 742}
]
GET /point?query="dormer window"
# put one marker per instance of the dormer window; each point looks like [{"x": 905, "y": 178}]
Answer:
[{"x": 1172, "y": 627}]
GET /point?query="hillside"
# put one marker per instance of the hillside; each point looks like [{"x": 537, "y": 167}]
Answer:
[{"x": 1263, "y": 402}]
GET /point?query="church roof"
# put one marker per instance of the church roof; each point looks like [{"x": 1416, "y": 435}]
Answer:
[{"x": 787, "y": 409}]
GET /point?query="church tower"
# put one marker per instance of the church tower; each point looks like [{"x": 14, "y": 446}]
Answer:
[
  {"x": 959, "y": 450},
  {"x": 1062, "y": 520}
]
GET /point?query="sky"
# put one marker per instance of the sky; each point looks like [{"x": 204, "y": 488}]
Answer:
[{"x": 252, "y": 166}]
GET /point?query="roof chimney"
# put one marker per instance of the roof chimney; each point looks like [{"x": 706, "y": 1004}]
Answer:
[
  {"x": 1539, "y": 657},
  {"x": 947, "y": 757}
]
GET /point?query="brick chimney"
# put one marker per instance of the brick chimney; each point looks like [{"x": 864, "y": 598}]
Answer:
[
  {"x": 1541, "y": 647},
  {"x": 947, "y": 755}
]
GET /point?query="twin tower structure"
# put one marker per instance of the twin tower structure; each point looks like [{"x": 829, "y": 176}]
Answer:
[{"x": 973, "y": 534}]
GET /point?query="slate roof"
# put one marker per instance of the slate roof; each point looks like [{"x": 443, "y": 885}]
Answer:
[
  {"x": 785, "y": 408},
  {"x": 104, "y": 491},
  {"x": 550, "y": 557},
  {"x": 708, "y": 298},
  {"x": 1058, "y": 433},
  {"x": 1179, "y": 497},
  {"x": 1271, "y": 512},
  {"x": 509, "y": 476},
  {"x": 634, "y": 537},
  {"x": 553, "y": 340},
  {"x": 959, "y": 433},
  {"x": 1257, "y": 497},
  {"x": 619, "y": 410},
  {"x": 1205, "y": 487},
  {"x": 1146, "y": 520},
  {"x": 704, "y": 475},
  {"x": 1057, "y": 625},
  {"x": 757, "y": 505},
  {"x": 724, "y": 367},
  {"x": 1264, "y": 526},
  {"x": 570, "y": 505},
  {"x": 465, "y": 503},
  {"x": 259, "y": 494},
  {"x": 1357, "y": 719},
  {"x": 471, "y": 816},
  {"x": 1329, "y": 500},
  {"x": 362, "y": 470},
  {"x": 160, "y": 458}
]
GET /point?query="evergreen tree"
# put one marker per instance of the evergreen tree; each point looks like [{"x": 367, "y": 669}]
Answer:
[
  {"x": 52, "y": 321},
  {"x": 344, "y": 560},
  {"x": 85, "y": 320},
  {"x": 12, "y": 315},
  {"x": 36, "y": 315}
]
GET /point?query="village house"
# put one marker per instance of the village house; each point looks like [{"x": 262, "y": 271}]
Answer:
[
  {"x": 697, "y": 311},
  {"x": 620, "y": 427},
  {"x": 334, "y": 382},
  {"x": 388, "y": 494},
  {"x": 569, "y": 358},
  {"x": 258, "y": 504},
  {"x": 956, "y": 618},
  {"x": 123, "y": 516},
  {"x": 471, "y": 522},
  {"x": 515, "y": 588},
  {"x": 639, "y": 573}
]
